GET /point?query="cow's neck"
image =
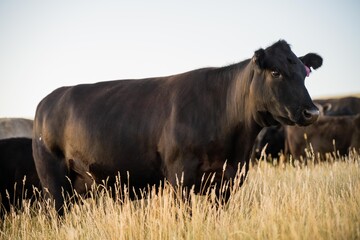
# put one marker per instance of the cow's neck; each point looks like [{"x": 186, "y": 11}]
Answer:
[
  {"x": 240, "y": 112},
  {"x": 240, "y": 107}
]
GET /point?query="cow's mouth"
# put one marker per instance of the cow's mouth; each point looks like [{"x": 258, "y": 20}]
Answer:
[
  {"x": 303, "y": 119},
  {"x": 300, "y": 117}
]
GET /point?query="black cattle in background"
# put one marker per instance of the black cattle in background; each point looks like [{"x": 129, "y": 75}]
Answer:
[
  {"x": 182, "y": 126},
  {"x": 16, "y": 162},
  {"x": 274, "y": 136},
  {"x": 345, "y": 106},
  {"x": 15, "y": 127},
  {"x": 343, "y": 130}
]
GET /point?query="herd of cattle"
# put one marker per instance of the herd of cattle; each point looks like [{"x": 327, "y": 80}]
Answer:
[
  {"x": 336, "y": 131},
  {"x": 187, "y": 125}
]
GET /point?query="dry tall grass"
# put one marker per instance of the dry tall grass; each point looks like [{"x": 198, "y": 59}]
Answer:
[{"x": 315, "y": 202}]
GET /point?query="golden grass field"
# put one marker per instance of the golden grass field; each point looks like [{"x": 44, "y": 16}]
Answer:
[{"x": 319, "y": 201}]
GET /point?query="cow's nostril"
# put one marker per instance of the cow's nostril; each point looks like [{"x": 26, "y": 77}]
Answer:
[
  {"x": 311, "y": 113},
  {"x": 306, "y": 114}
]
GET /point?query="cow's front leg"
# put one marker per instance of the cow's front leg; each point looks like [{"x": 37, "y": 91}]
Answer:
[
  {"x": 52, "y": 172},
  {"x": 183, "y": 170}
]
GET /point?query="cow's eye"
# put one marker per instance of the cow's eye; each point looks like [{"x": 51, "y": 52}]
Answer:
[{"x": 275, "y": 74}]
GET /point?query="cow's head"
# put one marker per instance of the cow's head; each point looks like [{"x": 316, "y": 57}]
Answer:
[{"x": 278, "y": 89}]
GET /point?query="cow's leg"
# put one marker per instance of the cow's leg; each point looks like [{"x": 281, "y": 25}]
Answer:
[
  {"x": 52, "y": 171},
  {"x": 183, "y": 169},
  {"x": 5, "y": 203},
  {"x": 190, "y": 172}
]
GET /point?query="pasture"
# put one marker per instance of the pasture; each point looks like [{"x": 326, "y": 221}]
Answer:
[{"x": 319, "y": 201}]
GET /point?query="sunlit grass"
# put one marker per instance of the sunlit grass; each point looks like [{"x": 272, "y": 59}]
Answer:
[{"x": 317, "y": 201}]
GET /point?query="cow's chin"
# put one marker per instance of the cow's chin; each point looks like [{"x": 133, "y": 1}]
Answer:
[
  {"x": 285, "y": 121},
  {"x": 266, "y": 119},
  {"x": 303, "y": 123},
  {"x": 288, "y": 121}
]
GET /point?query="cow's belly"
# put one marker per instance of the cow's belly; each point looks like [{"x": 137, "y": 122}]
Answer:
[{"x": 137, "y": 168}]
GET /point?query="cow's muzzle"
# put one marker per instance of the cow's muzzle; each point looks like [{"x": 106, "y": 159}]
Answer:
[{"x": 308, "y": 116}]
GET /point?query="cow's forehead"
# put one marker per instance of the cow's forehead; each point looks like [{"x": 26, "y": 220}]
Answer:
[
  {"x": 282, "y": 60},
  {"x": 279, "y": 56},
  {"x": 282, "y": 51}
]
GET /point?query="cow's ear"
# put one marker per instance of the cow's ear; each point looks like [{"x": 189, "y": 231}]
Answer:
[
  {"x": 259, "y": 57},
  {"x": 327, "y": 107},
  {"x": 312, "y": 60}
]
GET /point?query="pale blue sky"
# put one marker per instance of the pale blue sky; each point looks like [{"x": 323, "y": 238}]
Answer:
[{"x": 48, "y": 44}]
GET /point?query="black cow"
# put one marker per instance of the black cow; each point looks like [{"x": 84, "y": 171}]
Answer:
[
  {"x": 345, "y": 106},
  {"x": 273, "y": 138},
  {"x": 16, "y": 162},
  {"x": 163, "y": 127},
  {"x": 345, "y": 130},
  {"x": 15, "y": 128}
]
